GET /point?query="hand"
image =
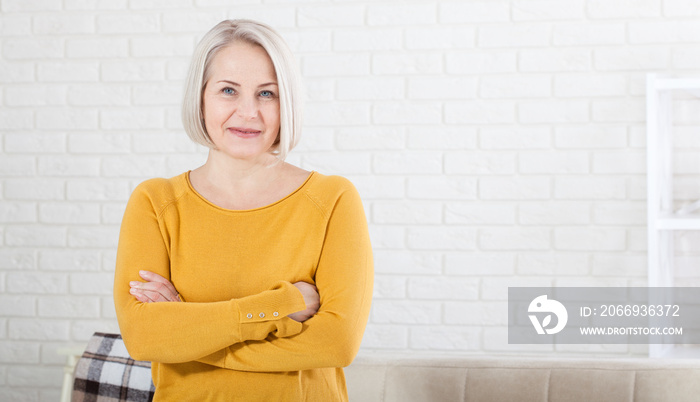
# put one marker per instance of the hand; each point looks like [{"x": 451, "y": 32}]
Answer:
[
  {"x": 155, "y": 289},
  {"x": 312, "y": 300}
]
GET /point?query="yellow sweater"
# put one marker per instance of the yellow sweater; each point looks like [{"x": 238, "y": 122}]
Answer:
[{"x": 231, "y": 339}]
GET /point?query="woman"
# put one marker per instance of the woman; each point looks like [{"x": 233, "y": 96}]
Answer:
[{"x": 246, "y": 279}]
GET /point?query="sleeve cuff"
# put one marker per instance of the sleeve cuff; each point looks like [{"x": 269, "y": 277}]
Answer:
[{"x": 266, "y": 312}]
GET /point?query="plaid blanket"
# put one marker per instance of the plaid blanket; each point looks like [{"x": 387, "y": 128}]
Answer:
[{"x": 106, "y": 373}]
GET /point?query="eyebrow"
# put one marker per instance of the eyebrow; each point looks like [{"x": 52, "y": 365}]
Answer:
[{"x": 238, "y": 85}]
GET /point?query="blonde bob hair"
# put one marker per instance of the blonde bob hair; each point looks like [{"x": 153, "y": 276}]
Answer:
[{"x": 288, "y": 80}]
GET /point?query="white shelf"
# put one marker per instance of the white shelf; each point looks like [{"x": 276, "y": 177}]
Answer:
[{"x": 678, "y": 222}]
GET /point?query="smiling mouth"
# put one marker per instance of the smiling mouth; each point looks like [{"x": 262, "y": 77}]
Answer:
[{"x": 244, "y": 132}]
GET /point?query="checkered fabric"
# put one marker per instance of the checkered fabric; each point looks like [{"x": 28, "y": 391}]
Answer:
[{"x": 106, "y": 373}]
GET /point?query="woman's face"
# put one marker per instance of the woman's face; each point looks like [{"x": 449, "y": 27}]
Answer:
[{"x": 241, "y": 102}]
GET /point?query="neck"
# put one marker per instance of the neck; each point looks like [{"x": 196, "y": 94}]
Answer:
[{"x": 224, "y": 172}]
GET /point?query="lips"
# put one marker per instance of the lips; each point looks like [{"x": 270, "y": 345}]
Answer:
[{"x": 244, "y": 132}]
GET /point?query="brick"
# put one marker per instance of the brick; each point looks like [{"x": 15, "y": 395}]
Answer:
[
  {"x": 554, "y": 213},
  {"x": 323, "y": 89},
  {"x": 406, "y": 312},
  {"x": 327, "y": 16},
  {"x": 99, "y": 95},
  {"x": 407, "y": 162},
  {"x": 165, "y": 143},
  {"x": 93, "y": 237},
  {"x": 16, "y": 306},
  {"x": 591, "y": 136},
  {"x": 663, "y": 32},
  {"x": 620, "y": 213},
  {"x": 480, "y": 112},
  {"x": 29, "y": 283},
  {"x": 516, "y": 137},
  {"x": 69, "y": 307},
  {"x": 66, "y": 119},
  {"x": 130, "y": 24},
  {"x": 103, "y": 48},
  {"x": 553, "y": 162},
  {"x": 340, "y": 64},
  {"x": 112, "y": 213},
  {"x": 35, "y": 143},
  {"x": 441, "y": 238},
  {"x": 347, "y": 162},
  {"x": 586, "y": 85},
  {"x": 387, "y": 237},
  {"x": 386, "y": 212},
  {"x": 680, "y": 8},
  {"x": 16, "y": 25},
  {"x": 520, "y": 188},
  {"x": 96, "y": 4},
  {"x": 372, "y": 187},
  {"x": 446, "y": 138},
  {"x": 69, "y": 213},
  {"x": 107, "y": 309},
  {"x": 496, "y": 288},
  {"x": 547, "y": 10},
  {"x": 17, "y": 260},
  {"x": 407, "y": 14},
  {"x": 22, "y": 48},
  {"x": 436, "y": 88},
  {"x": 316, "y": 139},
  {"x": 480, "y": 163},
  {"x": 520, "y": 35},
  {"x": 68, "y": 71},
  {"x": 385, "y": 337},
  {"x": 389, "y": 287},
  {"x": 475, "y": 62},
  {"x": 92, "y": 283},
  {"x": 450, "y": 38},
  {"x": 31, "y": 329},
  {"x": 590, "y": 239},
  {"x": 445, "y": 338},
  {"x": 133, "y": 166},
  {"x": 473, "y": 213},
  {"x": 589, "y": 33},
  {"x": 407, "y": 113},
  {"x": 17, "y": 166},
  {"x": 34, "y": 189},
  {"x": 514, "y": 239},
  {"x": 63, "y": 24},
  {"x": 337, "y": 114},
  {"x": 553, "y": 264},
  {"x": 62, "y": 166},
  {"x": 372, "y": 138},
  {"x": 479, "y": 263},
  {"x": 162, "y": 46},
  {"x": 442, "y": 188},
  {"x": 69, "y": 260},
  {"x": 367, "y": 39},
  {"x": 309, "y": 42},
  {"x": 516, "y": 86},
  {"x": 35, "y": 236},
  {"x": 555, "y": 60},
  {"x": 15, "y": 72},
  {"x": 685, "y": 57},
  {"x": 605, "y": 9},
  {"x": 370, "y": 89},
  {"x": 186, "y": 20},
  {"x": 561, "y": 111},
  {"x": 16, "y": 119},
  {"x": 30, "y": 5},
  {"x": 280, "y": 16},
  {"x": 131, "y": 118},
  {"x": 119, "y": 71},
  {"x": 17, "y": 212},
  {"x": 619, "y": 162},
  {"x": 628, "y": 110},
  {"x": 213, "y": 3},
  {"x": 686, "y": 163},
  {"x": 82, "y": 330},
  {"x": 480, "y": 313},
  {"x": 404, "y": 63},
  {"x": 474, "y": 12},
  {"x": 443, "y": 288},
  {"x": 589, "y": 188},
  {"x": 19, "y": 352},
  {"x": 631, "y": 58},
  {"x": 107, "y": 143},
  {"x": 97, "y": 190}
]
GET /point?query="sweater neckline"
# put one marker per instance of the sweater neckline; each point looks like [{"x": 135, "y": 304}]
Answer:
[{"x": 281, "y": 200}]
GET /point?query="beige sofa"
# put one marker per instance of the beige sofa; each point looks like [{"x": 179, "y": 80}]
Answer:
[{"x": 390, "y": 379}]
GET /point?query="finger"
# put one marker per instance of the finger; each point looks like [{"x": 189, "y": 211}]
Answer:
[
  {"x": 161, "y": 288},
  {"x": 138, "y": 295},
  {"x": 153, "y": 277}
]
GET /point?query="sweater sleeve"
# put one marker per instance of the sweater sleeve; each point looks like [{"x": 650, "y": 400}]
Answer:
[
  {"x": 344, "y": 278},
  {"x": 181, "y": 332}
]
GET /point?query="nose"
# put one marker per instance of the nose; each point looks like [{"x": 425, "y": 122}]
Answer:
[{"x": 247, "y": 107}]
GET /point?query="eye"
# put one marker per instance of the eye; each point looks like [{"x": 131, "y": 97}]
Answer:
[
  {"x": 228, "y": 91},
  {"x": 267, "y": 94}
]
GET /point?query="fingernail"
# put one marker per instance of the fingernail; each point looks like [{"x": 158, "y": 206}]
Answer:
[
  {"x": 134, "y": 283},
  {"x": 133, "y": 290},
  {"x": 143, "y": 273}
]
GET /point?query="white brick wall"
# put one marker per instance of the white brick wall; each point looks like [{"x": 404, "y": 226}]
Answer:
[{"x": 495, "y": 143}]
